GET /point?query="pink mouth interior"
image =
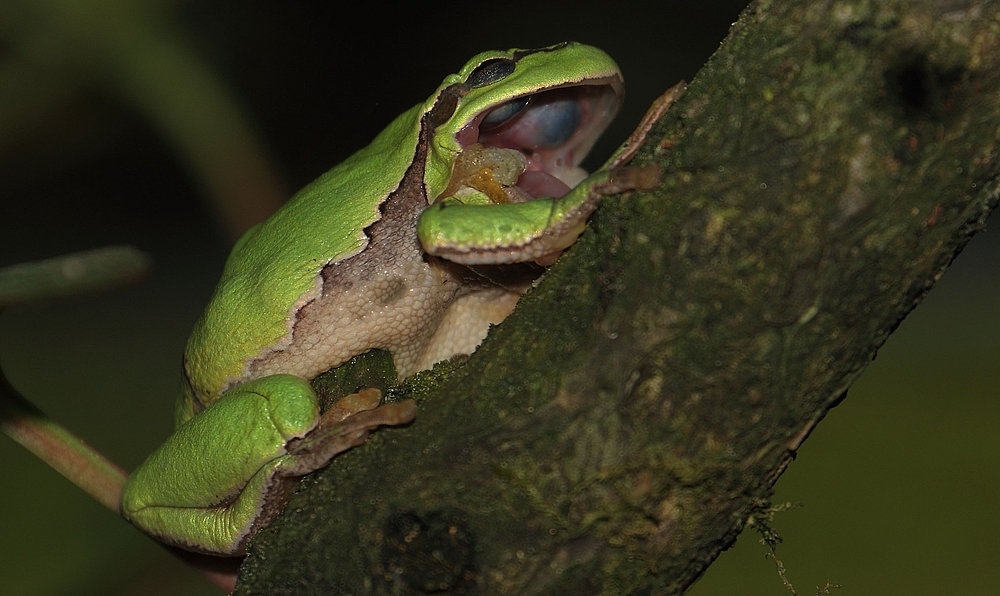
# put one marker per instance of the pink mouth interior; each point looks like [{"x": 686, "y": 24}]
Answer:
[
  {"x": 541, "y": 184},
  {"x": 555, "y": 130}
]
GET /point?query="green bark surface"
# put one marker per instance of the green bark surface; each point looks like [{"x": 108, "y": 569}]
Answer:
[{"x": 619, "y": 429}]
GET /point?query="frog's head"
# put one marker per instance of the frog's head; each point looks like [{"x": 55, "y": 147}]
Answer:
[{"x": 548, "y": 105}]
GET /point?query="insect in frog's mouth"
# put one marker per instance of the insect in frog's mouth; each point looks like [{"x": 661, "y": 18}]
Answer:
[{"x": 532, "y": 146}]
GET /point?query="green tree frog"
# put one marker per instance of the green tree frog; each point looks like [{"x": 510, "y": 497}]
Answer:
[{"x": 398, "y": 248}]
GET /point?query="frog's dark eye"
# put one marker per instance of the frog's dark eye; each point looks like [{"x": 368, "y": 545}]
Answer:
[
  {"x": 503, "y": 113},
  {"x": 490, "y": 72}
]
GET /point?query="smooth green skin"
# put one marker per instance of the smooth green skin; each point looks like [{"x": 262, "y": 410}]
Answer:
[
  {"x": 480, "y": 225},
  {"x": 254, "y": 420},
  {"x": 230, "y": 449}
]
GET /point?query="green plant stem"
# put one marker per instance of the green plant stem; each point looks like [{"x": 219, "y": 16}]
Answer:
[{"x": 66, "y": 453}]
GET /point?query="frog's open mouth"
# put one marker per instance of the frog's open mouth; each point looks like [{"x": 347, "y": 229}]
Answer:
[{"x": 553, "y": 130}]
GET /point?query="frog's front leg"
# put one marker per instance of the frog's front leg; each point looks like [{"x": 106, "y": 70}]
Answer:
[
  {"x": 497, "y": 223},
  {"x": 637, "y": 139},
  {"x": 538, "y": 230},
  {"x": 227, "y": 472}
]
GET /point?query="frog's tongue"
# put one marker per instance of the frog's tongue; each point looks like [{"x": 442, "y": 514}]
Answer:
[{"x": 555, "y": 131}]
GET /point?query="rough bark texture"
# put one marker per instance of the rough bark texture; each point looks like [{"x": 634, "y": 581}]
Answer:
[{"x": 617, "y": 431}]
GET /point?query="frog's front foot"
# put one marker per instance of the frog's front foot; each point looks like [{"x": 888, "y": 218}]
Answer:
[{"x": 346, "y": 424}]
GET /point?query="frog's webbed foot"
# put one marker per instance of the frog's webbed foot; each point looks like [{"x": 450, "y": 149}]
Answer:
[{"x": 345, "y": 425}]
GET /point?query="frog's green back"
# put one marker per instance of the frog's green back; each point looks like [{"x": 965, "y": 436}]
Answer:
[{"x": 277, "y": 262}]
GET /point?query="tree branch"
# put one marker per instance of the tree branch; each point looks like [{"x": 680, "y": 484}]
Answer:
[{"x": 619, "y": 429}]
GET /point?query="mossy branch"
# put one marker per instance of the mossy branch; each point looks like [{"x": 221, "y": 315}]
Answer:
[{"x": 620, "y": 428}]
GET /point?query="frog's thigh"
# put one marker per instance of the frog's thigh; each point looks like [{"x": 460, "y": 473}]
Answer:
[
  {"x": 225, "y": 528},
  {"x": 465, "y": 324},
  {"x": 202, "y": 487}
]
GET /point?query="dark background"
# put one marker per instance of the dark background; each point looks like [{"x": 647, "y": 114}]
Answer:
[{"x": 899, "y": 482}]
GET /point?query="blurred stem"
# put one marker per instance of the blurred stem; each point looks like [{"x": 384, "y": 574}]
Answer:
[
  {"x": 66, "y": 453},
  {"x": 86, "y": 272},
  {"x": 75, "y": 274},
  {"x": 133, "y": 49},
  {"x": 71, "y": 275},
  {"x": 208, "y": 127},
  {"x": 88, "y": 469}
]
